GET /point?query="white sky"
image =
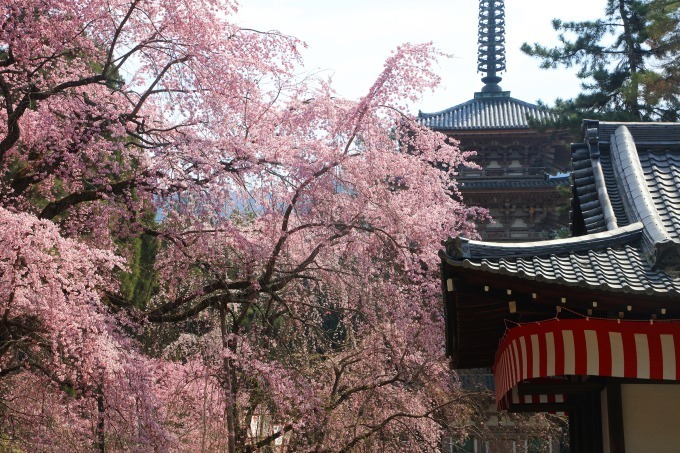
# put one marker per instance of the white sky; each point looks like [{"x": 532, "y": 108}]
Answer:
[{"x": 349, "y": 40}]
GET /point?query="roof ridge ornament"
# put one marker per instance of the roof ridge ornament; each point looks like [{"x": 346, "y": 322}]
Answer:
[
  {"x": 458, "y": 247},
  {"x": 491, "y": 41}
]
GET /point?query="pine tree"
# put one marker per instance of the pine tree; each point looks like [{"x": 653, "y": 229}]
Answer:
[
  {"x": 662, "y": 89},
  {"x": 626, "y": 61}
]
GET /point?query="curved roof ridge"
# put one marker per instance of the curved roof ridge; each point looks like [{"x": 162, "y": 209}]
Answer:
[
  {"x": 450, "y": 109},
  {"x": 635, "y": 124},
  {"x": 645, "y": 124},
  {"x": 601, "y": 184},
  {"x": 528, "y": 104},
  {"x": 486, "y": 113},
  {"x": 460, "y": 248},
  {"x": 643, "y": 133},
  {"x": 494, "y": 100},
  {"x": 586, "y": 202},
  {"x": 659, "y": 245}
]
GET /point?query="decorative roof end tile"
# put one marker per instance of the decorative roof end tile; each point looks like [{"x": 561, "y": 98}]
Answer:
[{"x": 458, "y": 247}]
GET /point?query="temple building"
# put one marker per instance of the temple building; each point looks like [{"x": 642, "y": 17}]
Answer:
[
  {"x": 516, "y": 161},
  {"x": 588, "y": 325}
]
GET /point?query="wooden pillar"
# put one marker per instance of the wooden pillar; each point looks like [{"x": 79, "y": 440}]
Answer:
[
  {"x": 585, "y": 424},
  {"x": 615, "y": 417}
]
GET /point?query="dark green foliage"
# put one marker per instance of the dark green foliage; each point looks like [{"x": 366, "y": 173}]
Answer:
[
  {"x": 663, "y": 88},
  {"x": 628, "y": 61},
  {"x": 138, "y": 285}
]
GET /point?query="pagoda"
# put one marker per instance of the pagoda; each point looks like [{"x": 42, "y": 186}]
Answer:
[{"x": 515, "y": 160}]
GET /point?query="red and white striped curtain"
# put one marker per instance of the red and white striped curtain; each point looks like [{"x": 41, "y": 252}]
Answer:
[{"x": 580, "y": 347}]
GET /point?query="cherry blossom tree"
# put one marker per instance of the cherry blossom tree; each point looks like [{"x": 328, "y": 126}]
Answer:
[{"x": 294, "y": 272}]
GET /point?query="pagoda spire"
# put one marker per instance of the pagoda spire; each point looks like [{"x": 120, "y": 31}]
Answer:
[{"x": 491, "y": 41}]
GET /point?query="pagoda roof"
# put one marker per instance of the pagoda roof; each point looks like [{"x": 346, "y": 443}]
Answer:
[
  {"x": 487, "y": 111},
  {"x": 518, "y": 183},
  {"x": 626, "y": 211}
]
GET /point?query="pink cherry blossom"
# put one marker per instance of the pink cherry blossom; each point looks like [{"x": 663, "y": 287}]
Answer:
[{"x": 293, "y": 292}]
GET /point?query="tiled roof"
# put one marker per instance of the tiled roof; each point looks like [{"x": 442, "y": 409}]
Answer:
[
  {"x": 520, "y": 183},
  {"x": 657, "y": 146},
  {"x": 486, "y": 112},
  {"x": 616, "y": 269},
  {"x": 643, "y": 133},
  {"x": 610, "y": 261},
  {"x": 626, "y": 194},
  {"x": 478, "y": 250},
  {"x": 662, "y": 172}
]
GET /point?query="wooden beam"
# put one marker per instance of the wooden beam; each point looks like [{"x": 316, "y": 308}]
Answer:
[
  {"x": 561, "y": 388},
  {"x": 554, "y": 291},
  {"x": 541, "y": 407}
]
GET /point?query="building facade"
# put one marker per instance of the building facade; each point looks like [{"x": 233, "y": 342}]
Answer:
[{"x": 587, "y": 325}]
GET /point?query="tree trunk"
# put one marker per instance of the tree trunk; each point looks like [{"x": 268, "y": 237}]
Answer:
[
  {"x": 101, "y": 444},
  {"x": 633, "y": 55},
  {"x": 230, "y": 404},
  {"x": 204, "y": 414}
]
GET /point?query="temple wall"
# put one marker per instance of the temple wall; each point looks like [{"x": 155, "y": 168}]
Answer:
[{"x": 651, "y": 418}]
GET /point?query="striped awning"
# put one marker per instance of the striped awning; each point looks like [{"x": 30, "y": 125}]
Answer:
[{"x": 584, "y": 347}]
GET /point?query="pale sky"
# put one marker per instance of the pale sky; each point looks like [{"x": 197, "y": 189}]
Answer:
[{"x": 350, "y": 39}]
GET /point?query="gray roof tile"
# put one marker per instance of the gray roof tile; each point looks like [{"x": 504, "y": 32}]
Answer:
[
  {"x": 519, "y": 183},
  {"x": 502, "y": 250},
  {"x": 486, "y": 113},
  {"x": 615, "y": 269},
  {"x": 631, "y": 213},
  {"x": 643, "y": 133},
  {"x": 662, "y": 172},
  {"x": 586, "y": 190}
]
